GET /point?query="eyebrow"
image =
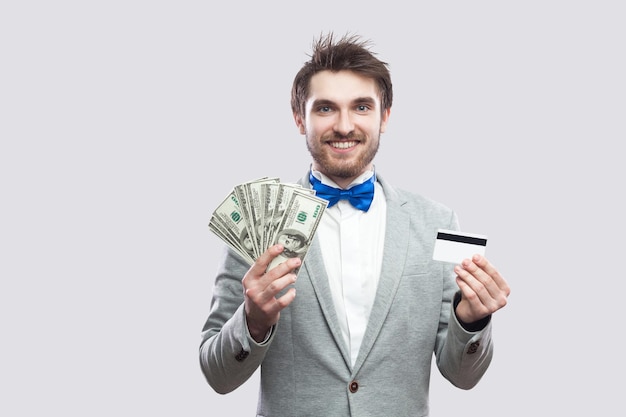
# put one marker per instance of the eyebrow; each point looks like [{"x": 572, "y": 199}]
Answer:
[{"x": 359, "y": 100}]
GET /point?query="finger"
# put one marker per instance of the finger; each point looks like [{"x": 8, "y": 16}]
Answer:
[
  {"x": 481, "y": 285},
  {"x": 265, "y": 315},
  {"x": 257, "y": 276},
  {"x": 471, "y": 286},
  {"x": 274, "y": 287},
  {"x": 276, "y": 280},
  {"x": 251, "y": 281},
  {"x": 286, "y": 299},
  {"x": 260, "y": 265},
  {"x": 488, "y": 293},
  {"x": 480, "y": 276},
  {"x": 264, "y": 305},
  {"x": 284, "y": 267},
  {"x": 490, "y": 270},
  {"x": 467, "y": 291}
]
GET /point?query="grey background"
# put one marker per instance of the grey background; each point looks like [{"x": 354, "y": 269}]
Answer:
[{"x": 124, "y": 123}]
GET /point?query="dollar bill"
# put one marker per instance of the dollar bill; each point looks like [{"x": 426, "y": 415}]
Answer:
[
  {"x": 249, "y": 196},
  {"x": 298, "y": 226},
  {"x": 229, "y": 223},
  {"x": 263, "y": 212},
  {"x": 269, "y": 197},
  {"x": 275, "y": 215}
]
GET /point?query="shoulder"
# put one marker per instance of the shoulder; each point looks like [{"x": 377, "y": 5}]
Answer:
[
  {"x": 419, "y": 207},
  {"x": 404, "y": 197},
  {"x": 423, "y": 202}
]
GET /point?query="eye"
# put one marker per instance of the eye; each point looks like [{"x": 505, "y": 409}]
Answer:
[
  {"x": 362, "y": 108},
  {"x": 324, "y": 109}
]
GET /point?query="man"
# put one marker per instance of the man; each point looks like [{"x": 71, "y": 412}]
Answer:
[
  {"x": 293, "y": 242},
  {"x": 372, "y": 307}
]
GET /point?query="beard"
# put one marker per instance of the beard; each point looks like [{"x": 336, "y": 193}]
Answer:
[{"x": 335, "y": 166}]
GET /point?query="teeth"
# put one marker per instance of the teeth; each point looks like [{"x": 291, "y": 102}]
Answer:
[{"x": 343, "y": 145}]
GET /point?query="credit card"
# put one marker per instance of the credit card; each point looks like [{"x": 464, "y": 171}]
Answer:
[{"x": 453, "y": 246}]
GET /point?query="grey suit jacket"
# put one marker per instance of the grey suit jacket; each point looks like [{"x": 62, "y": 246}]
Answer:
[{"x": 305, "y": 364}]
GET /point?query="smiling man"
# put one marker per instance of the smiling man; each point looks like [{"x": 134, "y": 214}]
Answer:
[
  {"x": 372, "y": 308},
  {"x": 342, "y": 121}
]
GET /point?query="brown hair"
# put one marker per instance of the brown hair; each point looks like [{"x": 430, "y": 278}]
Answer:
[{"x": 350, "y": 53}]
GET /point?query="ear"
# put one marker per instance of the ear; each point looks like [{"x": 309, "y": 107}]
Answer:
[
  {"x": 299, "y": 123},
  {"x": 384, "y": 119}
]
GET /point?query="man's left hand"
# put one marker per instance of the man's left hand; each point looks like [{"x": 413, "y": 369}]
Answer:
[{"x": 483, "y": 290}]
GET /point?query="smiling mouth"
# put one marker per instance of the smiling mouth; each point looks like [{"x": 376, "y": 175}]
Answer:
[{"x": 343, "y": 145}]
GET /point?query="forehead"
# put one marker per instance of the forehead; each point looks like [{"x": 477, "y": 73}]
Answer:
[{"x": 342, "y": 86}]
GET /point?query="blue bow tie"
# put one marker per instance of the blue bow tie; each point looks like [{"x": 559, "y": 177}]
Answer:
[{"x": 360, "y": 196}]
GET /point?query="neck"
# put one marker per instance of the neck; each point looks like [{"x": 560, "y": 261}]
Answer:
[{"x": 344, "y": 182}]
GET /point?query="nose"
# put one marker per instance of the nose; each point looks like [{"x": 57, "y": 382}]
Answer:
[{"x": 344, "y": 125}]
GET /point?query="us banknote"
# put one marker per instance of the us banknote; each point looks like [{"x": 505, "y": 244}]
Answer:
[
  {"x": 297, "y": 226},
  {"x": 260, "y": 213}
]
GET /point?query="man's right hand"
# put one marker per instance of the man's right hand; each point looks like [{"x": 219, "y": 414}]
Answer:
[{"x": 261, "y": 287}]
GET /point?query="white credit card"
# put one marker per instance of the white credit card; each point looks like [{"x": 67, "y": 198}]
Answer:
[{"x": 453, "y": 246}]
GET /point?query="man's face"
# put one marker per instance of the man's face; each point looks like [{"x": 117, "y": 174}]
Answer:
[
  {"x": 342, "y": 124},
  {"x": 247, "y": 243},
  {"x": 290, "y": 242}
]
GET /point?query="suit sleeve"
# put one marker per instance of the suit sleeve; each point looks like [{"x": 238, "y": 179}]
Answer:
[
  {"x": 462, "y": 356},
  {"x": 228, "y": 354},
  {"x": 466, "y": 355}
]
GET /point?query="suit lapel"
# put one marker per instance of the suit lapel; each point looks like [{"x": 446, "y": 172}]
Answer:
[
  {"x": 316, "y": 272},
  {"x": 394, "y": 258}
]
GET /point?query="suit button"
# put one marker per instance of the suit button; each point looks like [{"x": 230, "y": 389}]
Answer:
[
  {"x": 354, "y": 386},
  {"x": 243, "y": 354},
  {"x": 473, "y": 347}
]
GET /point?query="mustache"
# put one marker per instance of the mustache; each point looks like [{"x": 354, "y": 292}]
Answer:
[{"x": 350, "y": 136}]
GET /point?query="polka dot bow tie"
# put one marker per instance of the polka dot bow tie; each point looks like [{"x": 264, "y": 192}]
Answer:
[{"x": 360, "y": 196}]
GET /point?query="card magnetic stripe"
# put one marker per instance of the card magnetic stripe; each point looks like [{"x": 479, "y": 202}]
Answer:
[{"x": 463, "y": 239}]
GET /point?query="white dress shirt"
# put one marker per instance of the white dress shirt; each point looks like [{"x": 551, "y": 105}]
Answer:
[{"x": 352, "y": 244}]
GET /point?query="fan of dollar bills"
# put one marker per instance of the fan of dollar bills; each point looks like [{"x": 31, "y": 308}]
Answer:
[{"x": 263, "y": 212}]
